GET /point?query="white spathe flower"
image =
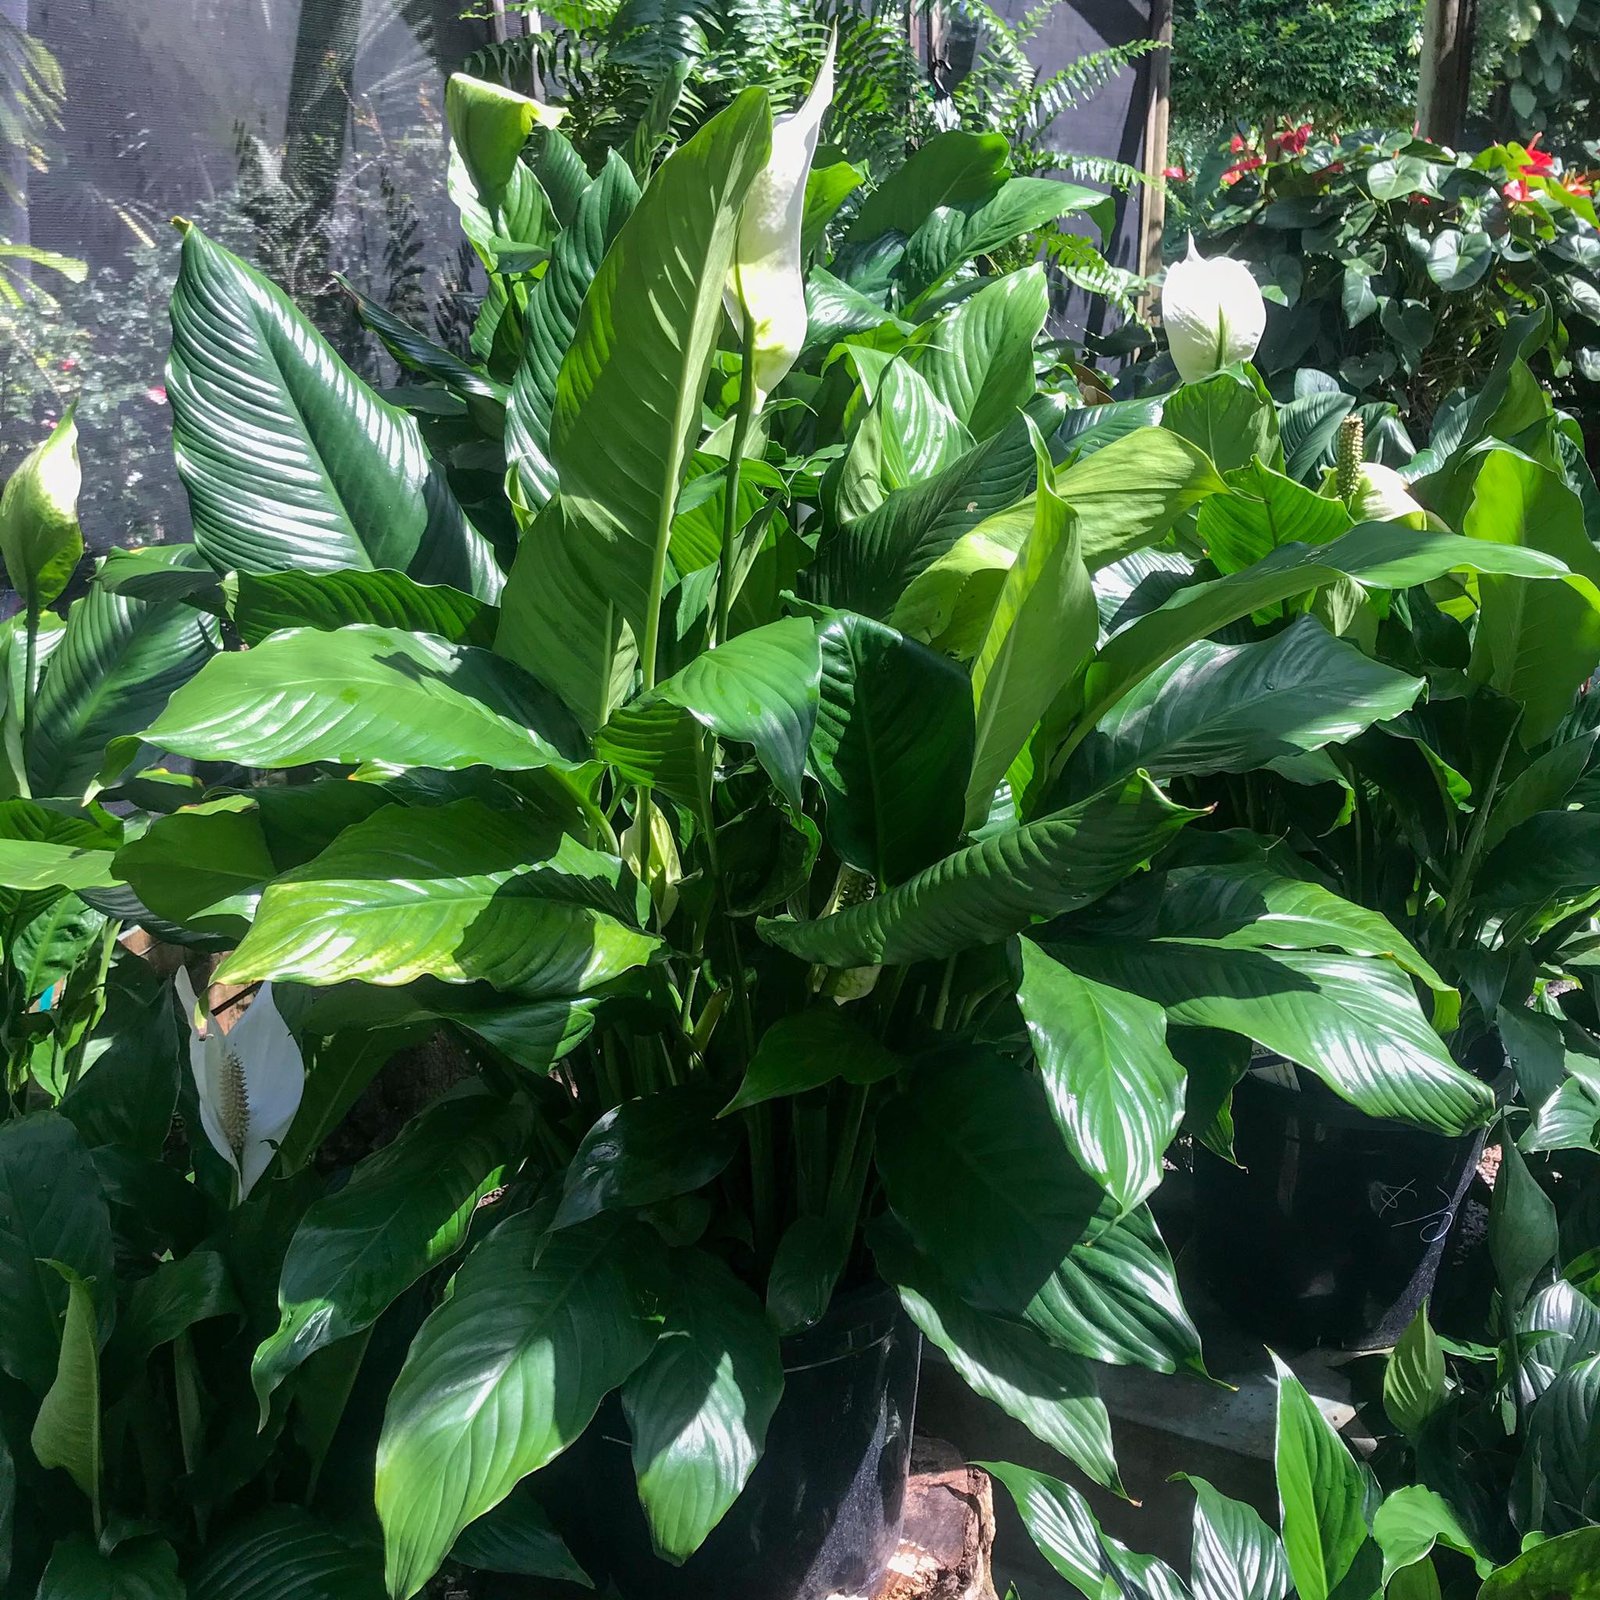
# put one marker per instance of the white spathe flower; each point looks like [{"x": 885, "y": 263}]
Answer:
[
  {"x": 1213, "y": 313},
  {"x": 249, "y": 1080},
  {"x": 1382, "y": 495},
  {"x": 765, "y": 283}
]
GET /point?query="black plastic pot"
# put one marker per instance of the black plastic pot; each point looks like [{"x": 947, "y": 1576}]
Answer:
[
  {"x": 1332, "y": 1228},
  {"x": 821, "y": 1513}
]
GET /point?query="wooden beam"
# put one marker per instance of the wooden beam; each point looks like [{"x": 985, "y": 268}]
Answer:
[
  {"x": 1445, "y": 81},
  {"x": 1153, "y": 210}
]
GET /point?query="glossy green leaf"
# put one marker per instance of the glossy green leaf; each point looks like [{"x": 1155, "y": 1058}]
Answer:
[
  {"x": 1050, "y": 1392},
  {"x": 1554, "y": 855},
  {"x": 949, "y": 169},
  {"x": 1414, "y": 1382},
  {"x": 1523, "y": 1236},
  {"x": 288, "y": 458},
  {"x": 1043, "y": 628},
  {"x": 404, "y": 1211},
  {"x": 33, "y": 865},
  {"x": 140, "y": 1569},
  {"x": 908, "y": 435},
  {"x": 366, "y": 694},
  {"x": 806, "y": 1269},
  {"x": 284, "y": 1553},
  {"x": 809, "y": 1049},
  {"x": 1567, "y": 1568},
  {"x": 989, "y": 891},
  {"x": 1115, "y": 1090},
  {"x": 1262, "y": 511},
  {"x": 1535, "y": 643},
  {"x": 264, "y": 603},
  {"x": 456, "y": 891},
  {"x": 40, "y": 540},
  {"x": 1229, "y": 415},
  {"x": 179, "y": 1293},
  {"x": 504, "y": 1376},
  {"x": 1322, "y": 1495},
  {"x": 1560, "y": 1461},
  {"x": 1411, "y": 1522},
  {"x": 201, "y": 866},
  {"x": 67, "y": 1432},
  {"x": 51, "y": 1209},
  {"x": 518, "y": 1537},
  {"x": 974, "y": 1167},
  {"x": 698, "y": 1408},
  {"x": 644, "y": 1151},
  {"x": 891, "y": 748},
  {"x": 1457, "y": 259},
  {"x": 489, "y": 125},
  {"x": 1234, "y": 1554}
]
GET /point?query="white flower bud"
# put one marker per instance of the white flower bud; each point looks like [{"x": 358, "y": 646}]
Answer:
[{"x": 1213, "y": 313}]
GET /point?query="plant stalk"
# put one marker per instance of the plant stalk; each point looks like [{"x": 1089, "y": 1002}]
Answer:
[
  {"x": 743, "y": 418},
  {"x": 30, "y": 675}
]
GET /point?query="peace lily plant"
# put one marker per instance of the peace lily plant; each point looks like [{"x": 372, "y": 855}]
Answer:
[{"x": 761, "y": 754}]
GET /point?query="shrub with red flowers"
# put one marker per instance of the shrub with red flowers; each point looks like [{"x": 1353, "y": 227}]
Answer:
[{"x": 1394, "y": 264}]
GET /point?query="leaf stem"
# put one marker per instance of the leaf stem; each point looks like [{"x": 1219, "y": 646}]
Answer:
[
  {"x": 743, "y": 417},
  {"x": 30, "y": 672}
]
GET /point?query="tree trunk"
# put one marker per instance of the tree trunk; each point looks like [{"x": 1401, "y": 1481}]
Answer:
[
  {"x": 320, "y": 91},
  {"x": 1446, "y": 77}
]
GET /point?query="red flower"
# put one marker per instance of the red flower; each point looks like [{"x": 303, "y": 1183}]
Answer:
[
  {"x": 1539, "y": 161},
  {"x": 69, "y": 364},
  {"x": 1517, "y": 191},
  {"x": 1293, "y": 141},
  {"x": 156, "y": 394},
  {"x": 1174, "y": 172},
  {"x": 1578, "y": 183},
  {"x": 1239, "y": 168},
  {"x": 1236, "y": 143}
]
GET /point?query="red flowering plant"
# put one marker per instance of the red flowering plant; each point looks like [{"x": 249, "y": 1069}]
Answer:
[{"x": 1393, "y": 263}]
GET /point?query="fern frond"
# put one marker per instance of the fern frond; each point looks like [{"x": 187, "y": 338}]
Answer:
[{"x": 1079, "y": 261}]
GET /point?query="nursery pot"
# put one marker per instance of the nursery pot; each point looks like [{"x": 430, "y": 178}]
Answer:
[
  {"x": 1332, "y": 1227},
  {"x": 820, "y": 1515}
]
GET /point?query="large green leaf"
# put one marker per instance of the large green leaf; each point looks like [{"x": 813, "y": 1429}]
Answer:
[
  {"x": 1352, "y": 1020},
  {"x": 1411, "y": 1522},
  {"x": 647, "y": 1150},
  {"x": 1262, "y": 511},
  {"x": 989, "y": 891},
  {"x": 811, "y": 1048},
  {"x": 978, "y": 356},
  {"x": 266, "y": 602},
  {"x": 111, "y": 671},
  {"x": 1229, "y": 415},
  {"x": 908, "y": 435},
  {"x": 1115, "y": 1090},
  {"x": 505, "y": 1375},
  {"x": 1414, "y": 1383},
  {"x": 1378, "y": 554},
  {"x": 518, "y": 1537},
  {"x": 1567, "y": 1568},
  {"x": 973, "y": 1165},
  {"x": 1050, "y": 1392},
  {"x": 627, "y": 405},
  {"x": 1043, "y": 628},
  {"x": 1234, "y": 1554},
  {"x": 29, "y": 864},
  {"x": 51, "y": 1210},
  {"x": 67, "y": 1432},
  {"x": 201, "y": 866},
  {"x": 40, "y": 540},
  {"x": 1560, "y": 1464},
  {"x": 1523, "y": 1234},
  {"x": 284, "y": 1553},
  {"x": 551, "y": 318},
  {"x": 949, "y": 169},
  {"x": 891, "y": 748},
  {"x": 404, "y": 1210},
  {"x": 1322, "y": 1495},
  {"x": 366, "y": 694},
  {"x": 1553, "y": 856},
  {"x": 698, "y": 1408},
  {"x": 139, "y": 1569},
  {"x": 289, "y": 459},
  {"x": 759, "y": 688},
  {"x": 1235, "y": 708},
  {"x": 457, "y": 891}
]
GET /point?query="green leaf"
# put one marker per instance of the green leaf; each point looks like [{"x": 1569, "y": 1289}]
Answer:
[
  {"x": 49, "y": 945},
  {"x": 645, "y": 1151},
  {"x": 112, "y": 670},
  {"x": 1560, "y": 1460},
  {"x": 1414, "y": 1519},
  {"x": 698, "y": 1408},
  {"x": 989, "y": 891},
  {"x": 1262, "y": 511},
  {"x": 179, "y": 1293},
  {"x": 404, "y": 1211},
  {"x": 518, "y": 1537},
  {"x": 457, "y": 891},
  {"x": 907, "y": 436},
  {"x": 1352, "y": 1020},
  {"x": 1115, "y": 1090},
  {"x": 284, "y": 1553},
  {"x": 551, "y": 318},
  {"x": 1536, "y": 643},
  {"x": 66, "y": 1432},
  {"x": 1523, "y": 1237},
  {"x": 34, "y": 865},
  {"x": 1414, "y": 1382},
  {"x": 806, "y": 1269},
  {"x": 290, "y": 461},
  {"x": 1457, "y": 260},
  {"x": 1235, "y": 708},
  {"x": 891, "y": 748},
  {"x": 1554, "y": 855},
  {"x": 1322, "y": 1494},
  {"x": 759, "y": 688},
  {"x": 267, "y": 602},
  {"x": 809, "y": 1049},
  {"x": 201, "y": 866},
  {"x": 127, "y": 1093},
  {"x": 1235, "y": 1555},
  {"x": 366, "y": 694},
  {"x": 1049, "y": 1391},
  {"x": 1378, "y": 554},
  {"x": 8, "y": 1508},
  {"x": 949, "y": 169},
  {"x": 40, "y": 541},
  {"x": 627, "y": 406},
  {"x": 974, "y": 1167},
  {"x": 978, "y": 356},
  {"x": 489, "y": 125},
  {"x": 504, "y": 1376},
  {"x": 1567, "y": 1568},
  {"x": 1229, "y": 415},
  {"x": 955, "y": 232},
  {"x": 1043, "y": 628},
  {"x": 51, "y": 1210},
  {"x": 140, "y": 1569}
]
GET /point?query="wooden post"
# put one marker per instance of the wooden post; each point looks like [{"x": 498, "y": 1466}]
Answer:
[
  {"x": 1446, "y": 76},
  {"x": 1156, "y": 120}
]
